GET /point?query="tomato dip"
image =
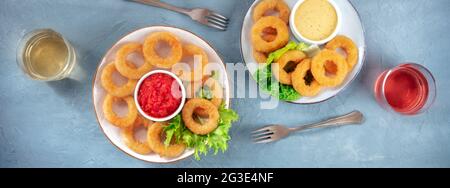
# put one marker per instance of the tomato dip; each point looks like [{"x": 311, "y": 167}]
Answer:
[{"x": 159, "y": 95}]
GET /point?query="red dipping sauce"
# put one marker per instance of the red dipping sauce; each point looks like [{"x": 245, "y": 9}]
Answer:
[{"x": 159, "y": 95}]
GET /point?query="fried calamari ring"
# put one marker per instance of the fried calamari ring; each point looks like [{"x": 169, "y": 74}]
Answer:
[
  {"x": 303, "y": 81},
  {"x": 269, "y": 34},
  {"x": 113, "y": 89},
  {"x": 150, "y": 54},
  {"x": 146, "y": 122},
  {"x": 122, "y": 64},
  {"x": 281, "y": 39},
  {"x": 348, "y": 46},
  {"x": 113, "y": 118},
  {"x": 279, "y": 68},
  {"x": 156, "y": 144},
  {"x": 217, "y": 96},
  {"x": 260, "y": 57},
  {"x": 319, "y": 72},
  {"x": 277, "y": 5},
  {"x": 130, "y": 140},
  {"x": 210, "y": 124},
  {"x": 197, "y": 73}
]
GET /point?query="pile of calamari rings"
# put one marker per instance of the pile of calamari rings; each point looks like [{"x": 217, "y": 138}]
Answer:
[
  {"x": 307, "y": 75},
  {"x": 269, "y": 33},
  {"x": 195, "y": 81}
]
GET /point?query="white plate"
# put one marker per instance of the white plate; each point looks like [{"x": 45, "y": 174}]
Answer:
[
  {"x": 98, "y": 93},
  {"x": 351, "y": 27}
]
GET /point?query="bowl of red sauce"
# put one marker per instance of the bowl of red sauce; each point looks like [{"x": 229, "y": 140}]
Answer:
[{"x": 159, "y": 95}]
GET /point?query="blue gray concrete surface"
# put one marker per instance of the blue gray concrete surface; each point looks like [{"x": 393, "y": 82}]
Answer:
[{"x": 53, "y": 124}]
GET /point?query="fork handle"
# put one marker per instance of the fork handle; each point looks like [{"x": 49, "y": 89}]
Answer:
[
  {"x": 157, "y": 3},
  {"x": 355, "y": 117}
]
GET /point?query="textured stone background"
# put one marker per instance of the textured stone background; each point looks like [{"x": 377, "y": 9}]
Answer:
[{"x": 53, "y": 124}]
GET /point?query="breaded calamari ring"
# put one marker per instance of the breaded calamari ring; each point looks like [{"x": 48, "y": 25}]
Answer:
[
  {"x": 269, "y": 35},
  {"x": 113, "y": 89},
  {"x": 210, "y": 124},
  {"x": 150, "y": 54},
  {"x": 123, "y": 65},
  {"x": 260, "y": 57},
  {"x": 146, "y": 122},
  {"x": 197, "y": 73},
  {"x": 281, "y": 39},
  {"x": 278, "y": 68},
  {"x": 319, "y": 72},
  {"x": 348, "y": 46},
  {"x": 217, "y": 96},
  {"x": 130, "y": 140},
  {"x": 156, "y": 144},
  {"x": 299, "y": 80},
  {"x": 277, "y": 5},
  {"x": 113, "y": 118}
]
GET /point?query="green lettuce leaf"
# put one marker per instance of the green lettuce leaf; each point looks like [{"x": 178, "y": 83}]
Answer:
[
  {"x": 205, "y": 93},
  {"x": 263, "y": 75},
  {"x": 274, "y": 56}
]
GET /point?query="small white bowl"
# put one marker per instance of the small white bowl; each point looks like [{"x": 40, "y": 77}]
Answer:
[
  {"x": 183, "y": 96},
  {"x": 299, "y": 36}
]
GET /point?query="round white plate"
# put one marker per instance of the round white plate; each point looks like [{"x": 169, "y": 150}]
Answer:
[
  {"x": 98, "y": 93},
  {"x": 351, "y": 27}
]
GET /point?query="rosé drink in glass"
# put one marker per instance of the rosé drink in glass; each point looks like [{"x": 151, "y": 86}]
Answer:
[{"x": 407, "y": 89}]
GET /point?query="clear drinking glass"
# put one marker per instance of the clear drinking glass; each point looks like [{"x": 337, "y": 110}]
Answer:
[
  {"x": 46, "y": 55},
  {"x": 407, "y": 89}
]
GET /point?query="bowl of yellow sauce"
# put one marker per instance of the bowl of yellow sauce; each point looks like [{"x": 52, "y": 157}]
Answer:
[{"x": 315, "y": 21}]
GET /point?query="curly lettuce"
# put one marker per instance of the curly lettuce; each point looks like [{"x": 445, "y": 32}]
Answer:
[{"x": 267, "y": 84}]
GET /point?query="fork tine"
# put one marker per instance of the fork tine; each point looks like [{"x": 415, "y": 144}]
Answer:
[
  {"x": 262, "y": 140},
  {"x": 266, "y": 133},
  {"x": 261, "y": 130},
  {"x": 217, "y": 23},
  {"x": 217, "y": 19},
  {"x": 216, "y": 26},
  {"x": 219, "y": 15}
]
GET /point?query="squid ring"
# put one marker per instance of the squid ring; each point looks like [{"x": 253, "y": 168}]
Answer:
[
  {"x": 130, "y": 140},
  {"x": 217, "y": 96},
  {"x": 278, "y": 5},
  {"x": 113, "y": 118},
  {"x": 122, "y": 65},
  {"x": 197, "y": 73},
  {"x": 281, "y": 39},
  {"x": 278, "y": 68},
  {"x": 300, "y": 79},
  {"x": 113, "y": 89},
  {"x": 156, "y": 144},
  {"x": 197, "y": 128},
  {"x": 150, "y": 54},
  {"x": 260, "y": 57},
  {"x": 319, "y": 71},
  {"x": 348, "y": 46}
]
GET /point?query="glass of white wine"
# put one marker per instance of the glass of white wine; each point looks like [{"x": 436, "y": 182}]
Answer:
[{"x": 46, "y": 55}]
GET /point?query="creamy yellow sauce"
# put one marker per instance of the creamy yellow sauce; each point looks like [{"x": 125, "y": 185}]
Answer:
[{"x": 316, "y": 19}]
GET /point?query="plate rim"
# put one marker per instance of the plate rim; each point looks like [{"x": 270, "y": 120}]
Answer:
[
  {"x": 343, "y": 88},
  {"x": 103, "y": 59}
]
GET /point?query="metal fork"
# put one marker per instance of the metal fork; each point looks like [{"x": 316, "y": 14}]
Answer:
[
  {"x": 201, "y": 15},
  {"x": 273, "y": 133}
]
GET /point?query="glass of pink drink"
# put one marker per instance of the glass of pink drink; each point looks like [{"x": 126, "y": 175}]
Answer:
[{"x": 407, "y": 89}]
